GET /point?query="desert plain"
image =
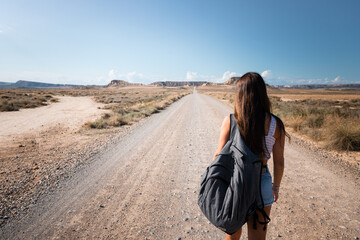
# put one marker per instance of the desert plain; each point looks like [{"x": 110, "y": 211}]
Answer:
[{"x": 126, "y": 163}]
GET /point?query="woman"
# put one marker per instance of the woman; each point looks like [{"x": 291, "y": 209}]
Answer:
[{"x": 263, "y": 133}]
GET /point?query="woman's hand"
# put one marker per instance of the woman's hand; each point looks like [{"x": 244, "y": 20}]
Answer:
[
  {"x": 275, "y": 193},
  {"x": 276, "y": 196}
]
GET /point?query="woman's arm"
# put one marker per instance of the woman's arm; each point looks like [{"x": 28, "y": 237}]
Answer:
[
  {"x": 278, "y": 157},
  {"x": 224, "y": 135}
]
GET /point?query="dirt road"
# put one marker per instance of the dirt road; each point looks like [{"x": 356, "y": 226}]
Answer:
[{"x": 146, "y": 185}]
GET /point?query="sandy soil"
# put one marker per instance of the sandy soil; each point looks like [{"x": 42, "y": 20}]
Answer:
[
  {"x": 39, "y": 146},
  {"x": 71, "y": 112},
  {"x": 145, "y": 186}
]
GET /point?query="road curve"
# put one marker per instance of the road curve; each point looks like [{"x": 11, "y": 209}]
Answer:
[{"x": 146, "y": 187}]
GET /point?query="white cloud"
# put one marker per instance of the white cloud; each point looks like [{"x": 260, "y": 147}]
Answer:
[
  {"x": 112, "y": 74},
  {"x": 337, "y": 79},
  {"x": 267, "y": 74},
  {"x": 304, "y": 81},
  {"x": 194, "y": 76},
  {"x": 228, "y": 75},
  {"x": 1, "y": 31},
  {"x": 326, "y": 80},
  {"x": 100, "y": 81}
]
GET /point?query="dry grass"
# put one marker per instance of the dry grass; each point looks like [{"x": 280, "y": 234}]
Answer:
[
  {"x": 333, "y": 123},
  {"x": 225, "y": 92},
  {"x": 13, "y": 100},
  {"x": 122, "y": 115},
  {"x": 344, "y": 136},
  {"x": 130, "y": 104},
  {"x": 329, "y": 117}
]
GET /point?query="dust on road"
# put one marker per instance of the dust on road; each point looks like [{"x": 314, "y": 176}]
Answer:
[{"x": 146, "y": 185}]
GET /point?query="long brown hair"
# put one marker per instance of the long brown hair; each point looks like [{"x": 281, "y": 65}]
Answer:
[{"x": 252, "y": 104}]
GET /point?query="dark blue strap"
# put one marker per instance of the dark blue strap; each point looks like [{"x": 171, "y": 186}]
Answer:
[{"x": 233, "y": 126}]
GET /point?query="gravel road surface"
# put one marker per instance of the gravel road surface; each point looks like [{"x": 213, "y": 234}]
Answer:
[{"x": 145, "y": 187}]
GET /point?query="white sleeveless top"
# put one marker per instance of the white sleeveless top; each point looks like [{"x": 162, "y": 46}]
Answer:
[{"x": 269, "y": 139}]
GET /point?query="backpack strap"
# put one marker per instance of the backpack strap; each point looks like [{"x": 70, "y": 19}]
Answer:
[
  {"x": 256, "y": 219},
  {"x": 233, "y": 126},
  {"x": 260, "y": 207}
]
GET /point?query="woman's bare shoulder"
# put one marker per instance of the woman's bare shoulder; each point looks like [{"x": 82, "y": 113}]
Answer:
[
  {"x": 279, "y": 126},
  {"x": 227, "y": 119},
  {"x": 226, "y": 122}
]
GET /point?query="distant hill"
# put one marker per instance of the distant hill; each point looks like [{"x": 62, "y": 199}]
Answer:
[
  {"x": 232, "y": 80},
  {"x": 4, "y": 84},
  {"x": 121, "y": 83},
  {"x": 29, "y": 84},
  {"x": 179, "y": 84},
  {"x": 210, "y": 84},
  {"x": 320, "y": 86}
]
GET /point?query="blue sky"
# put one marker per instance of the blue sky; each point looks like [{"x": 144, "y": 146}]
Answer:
[{"x": 93, "y": 42}]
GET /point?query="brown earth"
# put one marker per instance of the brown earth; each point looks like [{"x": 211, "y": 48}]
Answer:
[
  {"x": 40, "y": 146},
  {"x": 69, "y": 111},
  {"x": 144, "y": 185}
]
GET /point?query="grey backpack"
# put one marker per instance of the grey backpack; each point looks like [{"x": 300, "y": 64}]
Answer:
[{"x": 230, "y": 189}]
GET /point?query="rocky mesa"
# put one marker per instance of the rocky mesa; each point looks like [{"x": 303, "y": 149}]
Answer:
[{"x": 121, "y": 83}]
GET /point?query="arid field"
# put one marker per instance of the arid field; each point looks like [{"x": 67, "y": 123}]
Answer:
[
  {"x": 46, "y": 134},
  {"x": 327, "y": 118},
  {"x": 98, "y": 163}
]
